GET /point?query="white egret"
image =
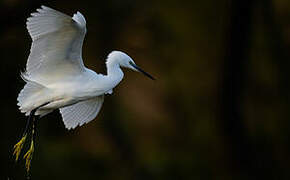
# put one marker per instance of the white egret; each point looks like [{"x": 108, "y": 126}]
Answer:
[{"x": 56, "y": 77}]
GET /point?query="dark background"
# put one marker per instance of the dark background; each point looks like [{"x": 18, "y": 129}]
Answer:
[{"x": 218, "y": 110}]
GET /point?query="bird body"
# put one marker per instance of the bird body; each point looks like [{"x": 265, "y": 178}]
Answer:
[
  {"x": 64, "y": 91},
  {"x": 56, "y": 77}
]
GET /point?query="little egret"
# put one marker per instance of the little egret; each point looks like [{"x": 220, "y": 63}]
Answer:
[{"x": 56, "y": 77}]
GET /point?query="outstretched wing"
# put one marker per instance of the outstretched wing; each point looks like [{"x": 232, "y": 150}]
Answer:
[
  {"x": 56, "y": 50},
  {"x": 82, "y": 112}
]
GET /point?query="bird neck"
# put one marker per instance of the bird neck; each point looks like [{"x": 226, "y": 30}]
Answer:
[{"x": 114, "y": 71}]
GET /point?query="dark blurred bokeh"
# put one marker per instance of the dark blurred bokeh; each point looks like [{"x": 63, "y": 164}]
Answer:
[{"x": 218, "y": 110}]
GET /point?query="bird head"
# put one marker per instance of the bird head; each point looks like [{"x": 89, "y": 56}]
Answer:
[{"x": 126, "y": 61}]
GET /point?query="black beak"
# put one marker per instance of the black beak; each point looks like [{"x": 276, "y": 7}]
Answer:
[{"x": 141, "y": 70}]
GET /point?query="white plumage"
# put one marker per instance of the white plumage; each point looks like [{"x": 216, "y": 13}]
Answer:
[
  {"x": 81, "y": 112},
  {"x": 55, "y": 74}
]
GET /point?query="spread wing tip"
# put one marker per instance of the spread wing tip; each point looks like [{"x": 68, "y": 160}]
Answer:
[
  {"x": 73, "y": 126},
  {"x": 80, "y": 19}
]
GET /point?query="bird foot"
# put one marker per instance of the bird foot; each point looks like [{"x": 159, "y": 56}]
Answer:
[
  {"x": 18, "y": 147},
  {"x": 28, "y": 156}
]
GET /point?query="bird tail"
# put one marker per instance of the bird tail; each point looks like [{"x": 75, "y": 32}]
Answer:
[{"x": 31, "y": 96}]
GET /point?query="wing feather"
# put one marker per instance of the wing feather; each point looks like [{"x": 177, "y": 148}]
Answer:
[
  {"x": 56, "y": 50},
  {"x": 82, "y": 112}
]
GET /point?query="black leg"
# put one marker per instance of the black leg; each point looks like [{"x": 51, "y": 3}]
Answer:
[
  {"x": 29, "y": 153},
  {"x": 31, "y": 115},
  {"x": 35, "y": 119},
  {"x": 19, "y": 145}
]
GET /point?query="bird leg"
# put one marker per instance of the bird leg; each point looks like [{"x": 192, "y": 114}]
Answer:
[
  {"x": 19, "y": 145},
  {"x": 28, "y": 156},
  {"x": 29, "y": 153}
]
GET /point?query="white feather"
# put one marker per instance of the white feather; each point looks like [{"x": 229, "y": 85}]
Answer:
[
  {"x": 82, "y": 112},
  {"x": 80, "y": 19},
  {"x": 32, "y": 95},
  {"x": 56, "y": 49}
]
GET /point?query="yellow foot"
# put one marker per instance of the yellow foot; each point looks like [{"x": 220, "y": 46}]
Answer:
[
  {"x": 17, "y": 147},
  {"x": 28, "y": 156}
]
